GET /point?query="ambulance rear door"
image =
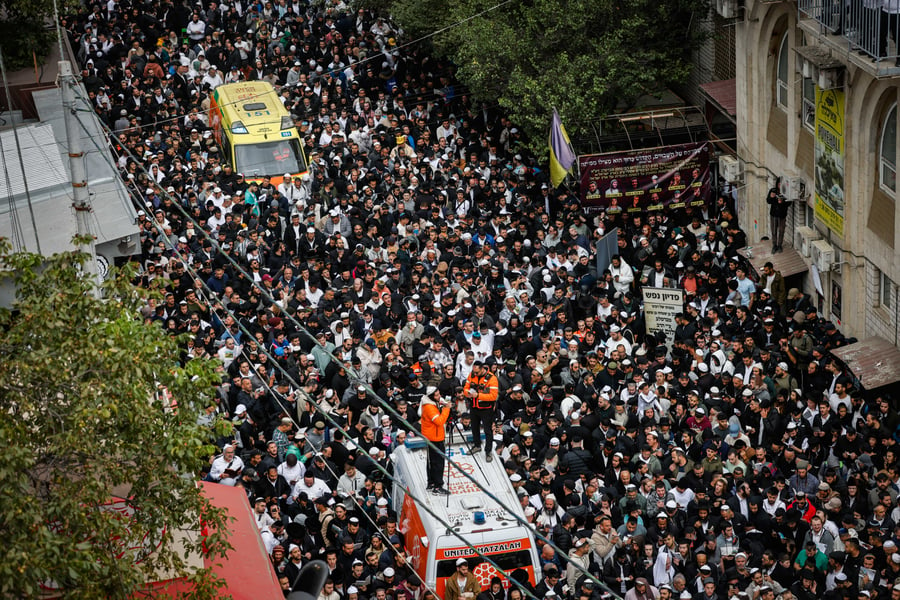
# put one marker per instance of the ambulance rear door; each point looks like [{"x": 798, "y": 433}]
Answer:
[{"x": 512, "y": 549}]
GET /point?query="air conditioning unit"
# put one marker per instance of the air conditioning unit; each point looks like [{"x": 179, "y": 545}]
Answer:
[
  {"x": 803, "y": 239},
  {"x": 838, "y": 260},
  {"x": 822, "y": 255},
  {"x": 792, "y": 188},
  {"x": 727, "y": 9},
  {"x": 730, "y": 168}
]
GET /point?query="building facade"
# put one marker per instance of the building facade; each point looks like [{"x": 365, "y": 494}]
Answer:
[{"x": 817, "y": 86}]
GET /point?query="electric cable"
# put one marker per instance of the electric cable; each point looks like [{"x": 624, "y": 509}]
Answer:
[
  {"x": 284, "y": 409},
  {"x": 406, "y": 423},
  {"x": 399, "y": 417},
  {"x": 377, "y": 55},
  {"x": 276, "y": 396},
  {"x": 371, "y": 392},
  {"x": 420, "y": 503},
  {"x": 16, "y": 234},
  {"x": 413, "y": 98},
  {"x": 15, "y": 130}
]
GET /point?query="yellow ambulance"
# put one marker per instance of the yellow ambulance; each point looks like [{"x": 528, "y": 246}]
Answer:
[{"x": 256, "y": 132}]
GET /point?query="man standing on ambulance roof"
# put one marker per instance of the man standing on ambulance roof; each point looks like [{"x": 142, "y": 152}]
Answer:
[
  {"x": 482, "y": 389},
  {"x": 435, "y": 412}
]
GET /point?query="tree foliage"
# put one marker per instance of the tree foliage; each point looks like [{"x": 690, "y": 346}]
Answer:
[
  {"x": 78, "y": 377},
  {"x": 586, "y": 57},
  {"x": 27, "y": 30}
]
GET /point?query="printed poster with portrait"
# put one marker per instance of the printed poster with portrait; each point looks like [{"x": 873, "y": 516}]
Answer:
[
  {"x": 837, "y": 301},
  {"x": 652, "y": 179},
  {"x": 830, "y": 159}
]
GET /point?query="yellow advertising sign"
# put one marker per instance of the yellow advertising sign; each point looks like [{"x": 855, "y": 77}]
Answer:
[{"x": 830, "y": 159}]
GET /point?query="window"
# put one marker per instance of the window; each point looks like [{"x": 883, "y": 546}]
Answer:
[
  {"x": 269, "y": 158},
  {"x": 888, "y": 153},
  {"x": 887, "y": 287},
  {"x": 225, "y": 152},
  {"x": 781, "y": 77},
  {"x": 809, "y": 103},
  {"x": 509, "y": 562}
]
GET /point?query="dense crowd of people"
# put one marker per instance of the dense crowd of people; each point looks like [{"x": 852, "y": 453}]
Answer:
[{"x": 424, "y": 250}]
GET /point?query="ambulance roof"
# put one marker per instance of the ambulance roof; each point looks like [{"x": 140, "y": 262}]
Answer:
[
  {"x": 254, "y": 104},
  {"x": 466, "y": 497}
]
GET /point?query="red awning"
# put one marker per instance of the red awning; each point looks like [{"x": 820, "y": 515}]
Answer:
[
  {"x": 723, "y": 94},
  {"x": 246, "y": 568}
]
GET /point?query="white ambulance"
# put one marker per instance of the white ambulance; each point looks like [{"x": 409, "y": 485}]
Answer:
[{"x": 432, "y": 549}]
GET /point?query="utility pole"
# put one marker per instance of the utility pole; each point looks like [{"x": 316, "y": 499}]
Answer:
[{"x": 82, "y": 199}]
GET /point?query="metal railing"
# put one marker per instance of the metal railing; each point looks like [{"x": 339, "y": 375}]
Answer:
[
  {"x": 828, "y": 13},
  {"x": 869, "y": 27}
]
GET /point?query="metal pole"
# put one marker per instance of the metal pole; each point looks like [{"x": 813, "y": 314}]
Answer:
[
  {"x": 15, "y": 129},
  {"x": 82, "y": 201}
]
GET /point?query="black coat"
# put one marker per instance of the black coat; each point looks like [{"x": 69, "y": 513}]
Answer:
[
  {"x": 613, "y": 569},
  {"x": 272, "y": 489},
  {"x": 778, "y": 205},
  {"x": 578, "y": 461}
]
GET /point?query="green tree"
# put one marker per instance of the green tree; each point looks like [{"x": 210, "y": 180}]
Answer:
[
  {"x": 83, "y": 424},
  {"x": 586, "y": 57},
  {"x": 26, "y": 28}
]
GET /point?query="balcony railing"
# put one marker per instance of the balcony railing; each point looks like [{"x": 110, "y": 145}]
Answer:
[{"x": 869, "y": 27}]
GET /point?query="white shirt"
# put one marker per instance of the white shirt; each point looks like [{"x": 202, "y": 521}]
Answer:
[
  {"x": 317, "y": 489},
  {"x": 314, "y": 296},
  {"x": 227, "y": 355},
  {"x": 292, "y": 475},
  {"x": 625, "y": 276},
  {"x": 269, "y": 539},
  {"x": 263, "y": 520},
  {"x": 213, "y": 79},
  {"x": 603, "y": 313},
  {"x": 835, "y": 401},
  {"x": 774, "y": 506},
  {"x": 220, "y": 465},
  {"x": 195, "y": 29},
  {"x": 682, "y": 498},
  {"x": 484, "y": 348},
  {"x": 612, "y": 344}
]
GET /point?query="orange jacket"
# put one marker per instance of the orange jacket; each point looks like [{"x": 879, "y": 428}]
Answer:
[
  {"x": 488, "y": 390},
  {"x": 433, "y": 419}
]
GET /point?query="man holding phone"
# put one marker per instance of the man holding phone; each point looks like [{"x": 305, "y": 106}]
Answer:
[
  {"x": 482, "y": 388},
  {"x": 435, "y": 412}
]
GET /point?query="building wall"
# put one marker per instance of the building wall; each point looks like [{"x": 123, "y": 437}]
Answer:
[
  {"x": 878, "y": 320},
  {"x": 773, "y": 142}
]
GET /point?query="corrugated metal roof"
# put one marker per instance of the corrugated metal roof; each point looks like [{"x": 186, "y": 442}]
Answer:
[
  {"x": 43, "y": 164},
  {"x": 47, "y": 173},
  {"x": 874, "y": 361},
  {"x": 788, "y": 261}
]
